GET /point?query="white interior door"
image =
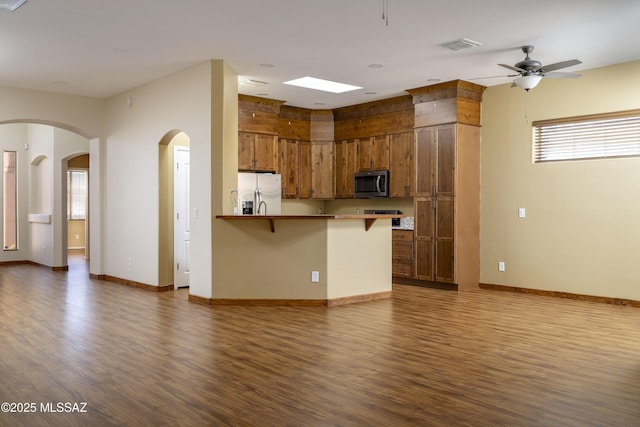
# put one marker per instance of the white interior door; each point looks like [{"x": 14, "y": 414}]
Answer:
[{"x": 182, "y": 226}]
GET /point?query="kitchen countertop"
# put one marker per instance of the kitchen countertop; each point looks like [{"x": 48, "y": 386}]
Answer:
[{"x": 369, "y": 219}]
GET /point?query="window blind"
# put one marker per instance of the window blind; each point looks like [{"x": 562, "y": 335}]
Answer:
[{"x": 587, "y": 137}]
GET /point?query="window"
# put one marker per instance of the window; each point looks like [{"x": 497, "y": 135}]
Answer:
[
  {"x": 587, "y": 137},
  {"x": 76, "y": 194},
  {"x": 9, "y": 201}
]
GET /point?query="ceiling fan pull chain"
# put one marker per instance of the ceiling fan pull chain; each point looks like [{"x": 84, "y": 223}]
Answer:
[
  {"x": 526, "y": 107},
  {"x": 385, "y": 11}
]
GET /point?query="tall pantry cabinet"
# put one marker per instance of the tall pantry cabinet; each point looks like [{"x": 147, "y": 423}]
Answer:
[{"x": 447, "y": 202}]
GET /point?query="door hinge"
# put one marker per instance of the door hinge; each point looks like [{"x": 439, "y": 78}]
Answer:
[
  {"x": 177, "y": 266},
  {"x": 178, "y": 215},
  {"x": 177, "y": 165}
]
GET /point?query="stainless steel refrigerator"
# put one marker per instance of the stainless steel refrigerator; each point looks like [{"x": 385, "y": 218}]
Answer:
[{"x": 259, "y": 193}]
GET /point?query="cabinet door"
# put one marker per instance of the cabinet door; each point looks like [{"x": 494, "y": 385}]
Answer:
[
  {"x": 373, "y": 153},
  {"x": 352, "y": 166},
  {"x": 365, "y": 157},
  {"x": 443, "y": 238},
  {"x": 435, "y": 161},
  {"x": 445, "y": 160},
  {"x": 322, "y": 170},
  {"x": 424, "y": 238},
  {"x": 434, "y": 239},
  {"x": 245, "y": 151},
  {"x": 380, "y": 154},
  {"x": 340, "y": 168},
  {"x": 402, "y": 165},
  {"x": 425, "y": 161},
  {"x": 345, "y": 154},
  {"x": 266, "y": 153},
  {"x": 304, "y": 169},
  {"x": 288, "y": 166}
]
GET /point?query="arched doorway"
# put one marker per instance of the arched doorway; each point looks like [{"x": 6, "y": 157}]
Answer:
[{"x": 173, "y": 224}]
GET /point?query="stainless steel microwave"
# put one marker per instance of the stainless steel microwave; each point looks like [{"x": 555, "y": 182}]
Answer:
[{"x": 371, "y": 184}]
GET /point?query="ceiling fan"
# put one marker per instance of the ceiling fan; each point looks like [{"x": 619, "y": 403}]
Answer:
[{"x": 530, "y": 71}]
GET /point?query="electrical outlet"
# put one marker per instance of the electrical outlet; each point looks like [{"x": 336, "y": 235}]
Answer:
[
  {"x": 501, "y": 266},
  {"x": 315, "y": 276}
]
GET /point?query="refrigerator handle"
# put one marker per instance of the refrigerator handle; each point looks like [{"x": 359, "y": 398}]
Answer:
[{"x": 259, "y": 202}]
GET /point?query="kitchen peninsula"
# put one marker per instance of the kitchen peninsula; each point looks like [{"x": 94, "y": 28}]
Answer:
[{"x": 319, "y": 260}]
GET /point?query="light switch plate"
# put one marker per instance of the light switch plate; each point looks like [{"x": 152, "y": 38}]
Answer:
[
  {"x": 315, "y": 276},
  {"x": 521, "y": 212}
]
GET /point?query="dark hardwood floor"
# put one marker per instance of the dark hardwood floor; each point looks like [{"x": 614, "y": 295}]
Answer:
[{"x": 425, "y": 357}]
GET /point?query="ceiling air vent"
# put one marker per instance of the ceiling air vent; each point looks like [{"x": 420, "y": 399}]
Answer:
[
  {"x": 460, "y": 44},
  {"x": 11, "y": 5},
  {"x": 252, "y": 83}
]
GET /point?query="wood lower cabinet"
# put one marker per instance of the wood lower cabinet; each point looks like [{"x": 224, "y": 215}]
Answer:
[
  {"x": 346, "y": 158},
  {"x": 402, "y": 253},
  {"x": 257, "y": 152},
  {"x": 434, "y": 239}
]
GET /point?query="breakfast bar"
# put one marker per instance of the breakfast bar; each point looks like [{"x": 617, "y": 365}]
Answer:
[{"x": 303, "y": 259}]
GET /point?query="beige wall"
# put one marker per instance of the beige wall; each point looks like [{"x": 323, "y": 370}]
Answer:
[
  {"x": 580, "y": 234},
  {"x": 75, "y": 234},
  {"x": 264, "y": 265}
]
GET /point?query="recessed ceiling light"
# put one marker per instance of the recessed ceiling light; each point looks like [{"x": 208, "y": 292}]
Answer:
[
  {"x": 323, "y": 85},
  {"x": 11, "y": 5},
  {"x": 460, "y": 44},
  {"x": 433, "y": 80},
  {"x": 267, "y": 65},
  {"x": 371, "y": 93},
  {"x": 59, "y": 83},
  {"x": 375, "y": 65},
  {"x": 120, "y": 51}
]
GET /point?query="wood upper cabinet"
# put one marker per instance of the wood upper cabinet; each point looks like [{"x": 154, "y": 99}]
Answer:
[
  {"x": 288, "y": 167},
  {"x": 346, "y": 157},
  {"x": 373, "y": 153},
  {"x": 435, "y": 161},
  {"x": 402, "y": 165},
  {"x": 304, "y": 169},
  {"x": 257, "y": 152},
  {"x": 322, "y": 178}
]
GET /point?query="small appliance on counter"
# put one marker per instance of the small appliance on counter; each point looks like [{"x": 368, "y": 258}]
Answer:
[
  {"x": 405, "y": 223},
  {"x": 259, "y": 193}
]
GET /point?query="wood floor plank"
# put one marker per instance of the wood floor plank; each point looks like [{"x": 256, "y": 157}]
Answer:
[{"x": 424, "y": 357}]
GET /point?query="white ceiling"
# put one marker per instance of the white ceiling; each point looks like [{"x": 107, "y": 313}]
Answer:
[{"x": 100, "y": 48}]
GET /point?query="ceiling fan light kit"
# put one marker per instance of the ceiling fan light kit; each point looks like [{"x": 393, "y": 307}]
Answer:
[{"x": 528, "y": 82}]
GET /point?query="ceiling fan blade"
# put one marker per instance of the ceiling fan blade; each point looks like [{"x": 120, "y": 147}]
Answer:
[
  {"x": 558, "y": 65},
  {"x": 561, "y": 75},
  {"x": 493, "y": 77},
  {"x": 516, "y": 69}
]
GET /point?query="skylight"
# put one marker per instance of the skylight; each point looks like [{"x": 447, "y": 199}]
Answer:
[
  {"x": 323, "y": 85},
  {"x": 11, "y": 5}
]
